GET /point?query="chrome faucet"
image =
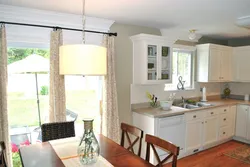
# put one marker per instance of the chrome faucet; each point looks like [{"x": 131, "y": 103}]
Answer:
[{"x": 183, "y": 100}]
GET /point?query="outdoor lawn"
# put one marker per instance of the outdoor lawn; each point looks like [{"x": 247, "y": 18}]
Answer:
[{"x": 23, "y": 109}]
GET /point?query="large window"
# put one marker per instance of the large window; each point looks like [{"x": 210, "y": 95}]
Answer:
[{"x": 182, "y": 66}]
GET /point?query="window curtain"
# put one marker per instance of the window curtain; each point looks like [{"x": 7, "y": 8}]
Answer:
[
  {"x": 110, "y": 126},
  {"x": 4, "y": 125},
  {"x": 57, "y": 110}
]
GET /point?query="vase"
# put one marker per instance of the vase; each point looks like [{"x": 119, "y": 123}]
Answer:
[{"x": 88, "y": 149}]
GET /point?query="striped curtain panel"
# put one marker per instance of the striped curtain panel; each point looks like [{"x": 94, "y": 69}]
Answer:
[
  {"x": 4, "y": 125},
  {"x": 57, "y": 111},
  {"x": 110, "y": 126}
]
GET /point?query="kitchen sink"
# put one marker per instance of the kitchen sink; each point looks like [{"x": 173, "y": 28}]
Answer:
[{"x": 192, "y": 106}]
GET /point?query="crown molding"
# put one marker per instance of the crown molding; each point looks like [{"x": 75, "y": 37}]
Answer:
[{"x": 35, "y": 16}]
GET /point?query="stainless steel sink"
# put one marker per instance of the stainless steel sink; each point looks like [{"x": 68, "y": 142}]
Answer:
[
  {"x": 192, "y": 106},
  {"x": 203, "y": 104}
]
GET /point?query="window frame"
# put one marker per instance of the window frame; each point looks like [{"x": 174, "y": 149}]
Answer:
[{"x": 187, "y": 49}]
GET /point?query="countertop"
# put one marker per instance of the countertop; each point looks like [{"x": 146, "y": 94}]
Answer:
[{"x": 159, "y": 113}]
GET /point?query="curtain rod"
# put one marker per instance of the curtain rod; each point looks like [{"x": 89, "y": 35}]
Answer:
[{"x": 56, "y": 27}]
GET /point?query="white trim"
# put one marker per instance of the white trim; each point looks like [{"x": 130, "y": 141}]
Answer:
[
  {"x": 40, "y": 37},
  {"x": 184, "y": 47}
]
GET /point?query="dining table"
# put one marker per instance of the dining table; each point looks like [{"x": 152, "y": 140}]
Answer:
[{"x": 44, "y": 155}]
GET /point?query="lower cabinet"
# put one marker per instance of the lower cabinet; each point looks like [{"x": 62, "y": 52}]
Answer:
[
  {"x": 243, "y": 123},
  {"x": 194, "y": 131},
  {"x": 208, "y": 128},
  {"x": 210, "y": 131}
]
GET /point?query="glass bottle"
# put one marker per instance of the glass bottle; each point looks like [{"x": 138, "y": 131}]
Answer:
[{"x": 88, "y": 149}]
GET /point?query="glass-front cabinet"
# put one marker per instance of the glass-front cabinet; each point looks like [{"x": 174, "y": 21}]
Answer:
[{"x": 152, "y": 57}]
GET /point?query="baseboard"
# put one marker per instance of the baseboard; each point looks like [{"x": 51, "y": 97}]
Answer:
[{"x": 241, "y": 140}]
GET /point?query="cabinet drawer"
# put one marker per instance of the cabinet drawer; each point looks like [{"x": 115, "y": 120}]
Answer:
[
  {"x": 194, "y": 115},
  {"x": 212, "y": 112},
  {"x": 224, "y": 110},
  {"x": 224, "y": 133},
  {"x": 224, "y": 120}
]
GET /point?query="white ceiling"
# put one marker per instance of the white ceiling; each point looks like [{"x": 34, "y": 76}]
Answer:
[{"x": 214, "y": 18}]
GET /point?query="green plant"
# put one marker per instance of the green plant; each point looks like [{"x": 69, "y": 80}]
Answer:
[
  {"x": 16, "y": 159},
  {"x": 44, "y": 90}
]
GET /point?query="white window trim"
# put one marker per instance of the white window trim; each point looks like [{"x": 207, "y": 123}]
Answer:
[{"x": 185, "y": 48}]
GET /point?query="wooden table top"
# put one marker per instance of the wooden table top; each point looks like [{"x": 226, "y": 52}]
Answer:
[{"x": 43, "y": 155}]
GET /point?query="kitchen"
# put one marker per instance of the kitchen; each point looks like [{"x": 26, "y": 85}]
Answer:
[{"x": 220, "y": 81}]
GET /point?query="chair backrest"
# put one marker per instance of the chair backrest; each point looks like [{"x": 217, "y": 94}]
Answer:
[
  {"x": 138, "y": 133},
  {"x": 57, "y": 130},
  {"x": 70, "y": 115},
  {"x": 2, "y": 156},
  {"x": 164, "y": 145}
]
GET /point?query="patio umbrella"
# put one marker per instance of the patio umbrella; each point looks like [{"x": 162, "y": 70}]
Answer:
[{"x": 31, "y": 64}]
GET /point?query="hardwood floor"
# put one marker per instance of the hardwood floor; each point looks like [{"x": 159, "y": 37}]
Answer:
[{"x": 213, "y": 157}]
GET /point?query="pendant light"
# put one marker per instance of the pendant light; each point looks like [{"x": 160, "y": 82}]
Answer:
[{"x": 83, "y": 59}]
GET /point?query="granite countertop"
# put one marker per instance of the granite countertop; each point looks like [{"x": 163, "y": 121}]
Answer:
[{"x": 159, "y": 113}]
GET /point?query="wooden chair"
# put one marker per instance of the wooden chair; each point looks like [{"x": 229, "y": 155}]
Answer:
[
  {"x": 57, "y": 130},
  {"x": 2, "y": 156},
  {"x": 128, "y": 129},
  {"x": 164, "y": 145}
]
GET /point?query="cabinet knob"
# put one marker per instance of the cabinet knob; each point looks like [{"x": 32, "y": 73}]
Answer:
[
  {"x": 225, "y": 109},
  {"x": 205, "y": 121},
  {"x": 212, "y": 113},
  {"x": 194, "y": 116},
  {"x": 224, "y": 119},
  {"x": 224, "y": 133},
  {"x": 202, "y": 122}
]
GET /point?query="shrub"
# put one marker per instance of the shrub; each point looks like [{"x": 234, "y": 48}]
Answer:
[{"x": 44, "y": 90}]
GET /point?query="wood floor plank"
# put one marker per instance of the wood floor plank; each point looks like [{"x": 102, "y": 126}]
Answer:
[{"x": 213, "y": 157}]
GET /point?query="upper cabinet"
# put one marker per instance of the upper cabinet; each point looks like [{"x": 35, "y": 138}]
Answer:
[
  {"x": 152, "y": 57},
  {"x": 214, "y": 63},
  {"x": 241, "y": 67}
]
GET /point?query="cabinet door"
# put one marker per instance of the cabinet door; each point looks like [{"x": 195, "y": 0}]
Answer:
[
  {"x": 214, "y": 64},
  {"x": 225, "y": 64},
  {"x": 152, "y": 62},
  {"x": 248, "y": 125},
  {"x": 165, "y": 59},
  {"x": 194, "y": 136},
  {"x": 241, "y": 121},
  {"x": 210, "y": 131},
  {"x": 242, "y": 65},
  {"x": 232, "y": 120}
]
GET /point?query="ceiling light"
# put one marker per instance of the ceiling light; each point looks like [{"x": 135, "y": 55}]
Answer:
[
  {"x": 243, "y": 21},
  {"x": 192, "y": 34}
]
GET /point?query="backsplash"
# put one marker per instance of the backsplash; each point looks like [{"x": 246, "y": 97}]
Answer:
[
  {"x": 238, "y": 88},
  {"x": 138, "y": 92}
]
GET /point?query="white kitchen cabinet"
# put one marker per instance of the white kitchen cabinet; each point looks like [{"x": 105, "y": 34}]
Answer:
[
  {"x": 242, "y": 122},
  {"x": 194, "y": 132},
  {"x": 210, "y": 131},
  {"x": 241, "y": 68},
  {"x": 233, "y": 110},
  {"x": 214, "y": 63},
  {"x": 152, "y": 59}
]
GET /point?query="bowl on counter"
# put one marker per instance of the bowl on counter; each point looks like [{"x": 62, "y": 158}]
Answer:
[{"x": 166, "y": 105}]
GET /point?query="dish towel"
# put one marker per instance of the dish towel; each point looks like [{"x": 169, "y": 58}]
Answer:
[{"x": 66, "y": 149}]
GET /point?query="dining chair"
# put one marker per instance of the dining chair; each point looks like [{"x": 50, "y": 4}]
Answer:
[
  {"x": 164, "y": 145},
  {"x": 138, "y": 133},
  {"x": 57, "y": 130},
  {"x": 2, "y": 156}
]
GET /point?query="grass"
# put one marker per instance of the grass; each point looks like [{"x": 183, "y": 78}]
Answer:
[{"x": 22, "y": 108}]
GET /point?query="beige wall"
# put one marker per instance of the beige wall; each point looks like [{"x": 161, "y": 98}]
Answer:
[{"x": 124, "y": 66}]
